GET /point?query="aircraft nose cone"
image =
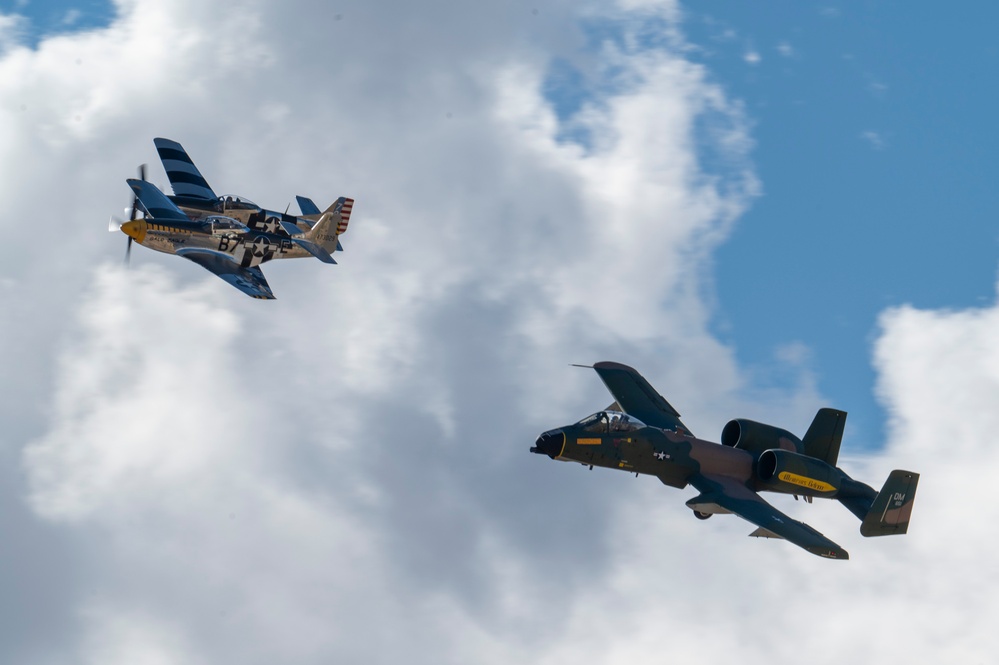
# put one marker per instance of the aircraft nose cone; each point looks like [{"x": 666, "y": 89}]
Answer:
[
  {"x": 135, "y": 228},
  {"x": 550, "y": 443}
]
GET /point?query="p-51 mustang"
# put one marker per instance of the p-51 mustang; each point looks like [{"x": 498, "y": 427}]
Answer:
[
  {"x": 641, "y": 433},
  {"x": 224, "y": 245},
  {"x": 193, "y": 195}
]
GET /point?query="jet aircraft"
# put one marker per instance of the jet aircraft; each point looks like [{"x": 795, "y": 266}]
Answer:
[
  {"x": 642, "y": 433},
  {"x": 193, "y": 195},
  {"x": 224, "y": 245}
]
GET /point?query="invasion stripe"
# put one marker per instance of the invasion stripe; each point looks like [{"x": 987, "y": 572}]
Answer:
[
  {"x": 182, "y": 167},
  {"x": 170, "y": 153},
  {"x": 187, "y": 179}
]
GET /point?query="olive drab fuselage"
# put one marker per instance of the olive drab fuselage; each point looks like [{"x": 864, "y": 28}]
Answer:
[
  {"x": 642, "y": 433},
  {"x": 616, "y": 441}
]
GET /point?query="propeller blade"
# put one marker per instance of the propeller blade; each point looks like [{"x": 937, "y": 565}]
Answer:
[
  {"x": 135, "y": 201},
  {"x": 128, "y": 252},
  {"x": 114, "y": 224}
]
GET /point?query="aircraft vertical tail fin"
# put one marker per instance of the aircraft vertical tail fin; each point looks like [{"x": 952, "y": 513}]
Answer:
[
  {"x": 185, "y": 178},
  {"x": 890, "y": 512},
  {"x": 823, "y": 438},
  {"x": 331, "y": 224},
  {"x": 345, "y": 209}
]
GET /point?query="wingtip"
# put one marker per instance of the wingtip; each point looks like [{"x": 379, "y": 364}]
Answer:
[
  {"x": 836, "y": 552},
  {"x": 610, "y": 364}
]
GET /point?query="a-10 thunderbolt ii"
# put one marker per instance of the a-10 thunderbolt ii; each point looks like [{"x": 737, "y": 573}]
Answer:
[
  {"x": 641, "y": 433},
  {"x": 224, "y": 245}
]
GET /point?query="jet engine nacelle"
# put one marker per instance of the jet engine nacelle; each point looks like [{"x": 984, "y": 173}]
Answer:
[
  {"x": 755, "y": 438},
  {"x": 783, "y": 471}
]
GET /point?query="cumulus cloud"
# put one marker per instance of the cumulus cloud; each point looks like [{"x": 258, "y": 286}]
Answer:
[
  {"x": 875, "y": 139},
  {"x": 342, "y": 474},
  {"x": 11, "y": 28}
]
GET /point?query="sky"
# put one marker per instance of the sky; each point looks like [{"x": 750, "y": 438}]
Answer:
[{"x": 765, "y": 213}]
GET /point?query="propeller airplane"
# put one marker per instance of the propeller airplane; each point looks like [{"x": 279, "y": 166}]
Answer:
[
  {"x": 193, "y": 195},
  {"x": 224, "y": 245}
]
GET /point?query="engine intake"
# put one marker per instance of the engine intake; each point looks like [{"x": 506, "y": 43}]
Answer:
[
  {"x": 784, "y": 471},
  {"x": 755, "y": 438}
]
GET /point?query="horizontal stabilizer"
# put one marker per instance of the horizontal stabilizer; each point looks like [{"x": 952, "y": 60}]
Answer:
[
  {"x": 314, "y": 249},
  {"x": 291, "y": 229},
  {"x": 306, "y": 205},
  {"x": 893, "y": 506}
]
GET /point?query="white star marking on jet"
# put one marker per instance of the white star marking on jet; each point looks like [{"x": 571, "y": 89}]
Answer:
[{"x": 661, "y": 455}]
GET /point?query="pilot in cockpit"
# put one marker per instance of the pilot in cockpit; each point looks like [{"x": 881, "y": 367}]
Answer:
[{"x": 611, "y": 421}]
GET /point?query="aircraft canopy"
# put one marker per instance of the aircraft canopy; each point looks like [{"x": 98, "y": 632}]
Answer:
[{"x": 610, "y": 421}]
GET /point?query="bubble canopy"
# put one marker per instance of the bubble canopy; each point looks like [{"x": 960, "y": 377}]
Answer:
[
  {"x": 217, "y": 223},
  {"x": 610, "y": 421},
  {"x": 230, "y": 202}
]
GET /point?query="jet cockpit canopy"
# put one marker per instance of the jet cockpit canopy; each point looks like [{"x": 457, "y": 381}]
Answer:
[{"x": 606, "y": 421}]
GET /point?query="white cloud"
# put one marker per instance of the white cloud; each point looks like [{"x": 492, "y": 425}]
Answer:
[
  {"x": 12, "y": 27},
  {"x": 71, "y": 17},
  {"x": 752, "y": 57},
  {"x": 131, "y": 637},
  {"x": 342, "y": 474},
  {"x": 876, "y": 139}
]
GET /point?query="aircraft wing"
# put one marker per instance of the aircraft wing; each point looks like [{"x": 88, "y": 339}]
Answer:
[
  {"x": 638, "y": 398},
  {"x": 250, "y": 281},
  {"x": 185, "y": 178},
  {"x": 731, "y": 496},
  {"x": 155, "y": 203}
]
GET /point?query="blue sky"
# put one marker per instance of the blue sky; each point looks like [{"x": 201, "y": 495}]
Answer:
[
  {"x": 51, "y": 17},
  {"x": 876, "y": 148}
]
